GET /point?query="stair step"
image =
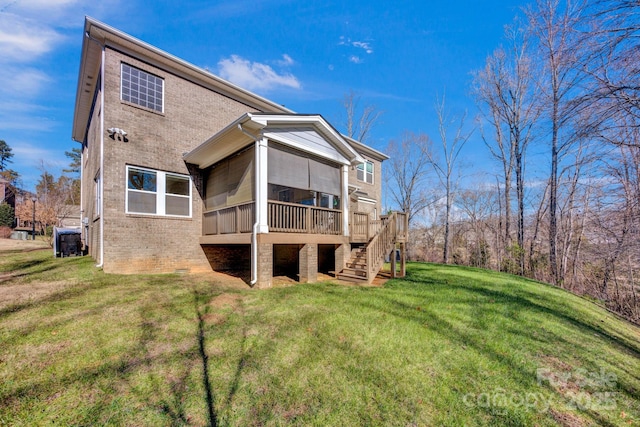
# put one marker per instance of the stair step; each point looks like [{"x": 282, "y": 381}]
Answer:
[
  {"x": 360, "y": 265},
  {"x": 355, "y": 272},
  {"x": 351, "y": 278}
]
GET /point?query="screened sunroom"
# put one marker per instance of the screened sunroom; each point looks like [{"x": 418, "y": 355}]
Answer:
[{"x": 274, "y": 174}]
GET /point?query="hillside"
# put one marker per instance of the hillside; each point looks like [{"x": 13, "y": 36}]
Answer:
[{"x": 444, "y": 346}]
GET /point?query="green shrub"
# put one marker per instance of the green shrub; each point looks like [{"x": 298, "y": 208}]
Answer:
[{"x": 7, "y": 215}]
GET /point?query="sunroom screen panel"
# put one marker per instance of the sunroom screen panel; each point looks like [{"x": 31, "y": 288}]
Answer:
[
  {"x": 217, "y": 187},
  {"x": 287, "y": 169},
  {"x": 240, "y": 180},
  {"x": 324, "y": 178}
]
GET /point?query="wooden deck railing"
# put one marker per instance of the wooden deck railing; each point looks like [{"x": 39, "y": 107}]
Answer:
[
  {"x": 296, "y": 218},
  {"x": 401, "y": 226},
  {"x": 283, "y": 218},
  {"x": 363, "y": 228},
  {"x": 381, "y": 245},
  {"x": 229, "y": 220}
]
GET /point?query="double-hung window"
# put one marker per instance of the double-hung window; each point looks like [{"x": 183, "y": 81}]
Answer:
[
  {"x": 365, "y": 172},
  {"x": 153, "y": 192},
  {"x": 142, "y": 88}
]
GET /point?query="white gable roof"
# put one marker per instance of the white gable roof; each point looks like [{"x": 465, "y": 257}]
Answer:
[{"x": 307, "y": 133}]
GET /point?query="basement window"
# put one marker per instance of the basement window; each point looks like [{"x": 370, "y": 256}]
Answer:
[
  {"x": 152, "y": 192},
  {"x": 142, "y": 88}
]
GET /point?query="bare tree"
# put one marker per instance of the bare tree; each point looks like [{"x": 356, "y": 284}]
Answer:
[
  {"x": 506, "y": 90},
  {"x": 445, "y": 165},
  {"x": 611, "y": 61},
  {"x": 555, "y": 28},
  {"x": 408, "y": 170},
  {"x": 359, "y": 120},
  {"x": 479, "y": 205}
]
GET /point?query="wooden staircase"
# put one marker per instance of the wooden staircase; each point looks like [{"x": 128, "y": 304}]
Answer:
[
  {"x": 365, "y": 262},
  {"x": 356, "y": 268}
]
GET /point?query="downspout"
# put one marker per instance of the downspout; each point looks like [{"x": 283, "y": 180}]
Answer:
[
  {"x": 101, "y": 189},
  {"x": 102, "y": 160},
  {"x": 254, "y": 229}
]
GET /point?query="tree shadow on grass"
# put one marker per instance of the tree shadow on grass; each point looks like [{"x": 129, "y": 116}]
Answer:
[{"x": 200, "y": 298}]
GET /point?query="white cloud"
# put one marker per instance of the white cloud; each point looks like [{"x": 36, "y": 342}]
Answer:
[
  {"x": 366, "y": 46},
  {"x": 286, "y": 61},
  {"x": 28, "y": 151},
  {"x": 23, "y": 82},
  {"x": 355, "y": 59},
  {"x": 21, "y": 40},
  {"x": 254, "y": 75},
  {"x": 363, "y": 45}
]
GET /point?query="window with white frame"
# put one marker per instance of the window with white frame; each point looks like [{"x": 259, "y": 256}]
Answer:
[
  {"x": 98, "y": 190},
  {"x": 365, "y": 172},
  {"x": 153, "y": 192},
  {"x": 142, "y": 88}
]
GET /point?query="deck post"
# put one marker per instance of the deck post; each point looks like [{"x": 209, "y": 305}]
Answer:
[
  {"x": 265, "y": 264},
  {"x": 345, "y": 200},
  {"x": 308, "y": 262},
  {"x": 261, "y": 156},
  {"x": 393, "y": 263}
]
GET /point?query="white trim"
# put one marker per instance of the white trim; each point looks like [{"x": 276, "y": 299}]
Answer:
[
  {"x": 230, "y": 138},
  {"x": 262, "y": 185},
  {"x": 160, "y": 193},
  {"x": 97, "y": 185},
  {"x": 279, "y": 138},
  {"x": 364, "y": 171},
  {"x": 345, "y": 200},
  {"x": 366, "y": 200}
]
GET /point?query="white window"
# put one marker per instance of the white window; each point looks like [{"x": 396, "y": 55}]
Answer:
[
  {"x": 154, "y": 192},
  {"x": 142, "y": 88},
  {"x": 98, "y": 190},
  {"x": 365, "y": 172}
]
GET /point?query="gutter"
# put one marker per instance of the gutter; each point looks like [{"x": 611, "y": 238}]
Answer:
[{"x": 101, "y": 189}]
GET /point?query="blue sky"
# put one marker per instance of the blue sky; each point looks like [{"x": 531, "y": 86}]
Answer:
[{"x": 397, "y": 56}]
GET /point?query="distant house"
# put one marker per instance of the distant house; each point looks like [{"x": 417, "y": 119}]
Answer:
[{"x": 184, "y": 171}]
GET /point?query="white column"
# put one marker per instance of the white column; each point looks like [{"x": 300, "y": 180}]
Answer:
[
  {"x": 345, "y": 200},
  {"x": 262, "y": 213}
]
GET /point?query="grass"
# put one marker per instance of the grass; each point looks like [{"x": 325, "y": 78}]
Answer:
[{"x": 444, "y": 346}]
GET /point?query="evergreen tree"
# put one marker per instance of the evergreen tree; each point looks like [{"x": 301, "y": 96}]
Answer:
[
  {"x": 5, "y": 155},
  {"x": 7, "y": 215}
]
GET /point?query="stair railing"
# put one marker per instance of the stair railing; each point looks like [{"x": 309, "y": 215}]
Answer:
[{"x": 381, "y": 245}]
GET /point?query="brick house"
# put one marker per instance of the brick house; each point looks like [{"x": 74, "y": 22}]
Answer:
[{"x": 184, "y": 171}]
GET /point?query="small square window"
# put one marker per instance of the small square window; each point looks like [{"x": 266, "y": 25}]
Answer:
[{"x": 141, "y": 88}]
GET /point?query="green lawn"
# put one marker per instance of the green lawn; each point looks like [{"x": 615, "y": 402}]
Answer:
[{"x": 444, "y": 346}]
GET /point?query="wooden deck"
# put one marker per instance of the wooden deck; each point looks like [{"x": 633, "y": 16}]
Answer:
[{"x": 297, "y": 223}]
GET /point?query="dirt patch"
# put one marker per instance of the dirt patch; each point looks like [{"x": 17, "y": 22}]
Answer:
[
  {"x": 284, "y": 281},
  {"x": 555, "y": 363},
  {"x": 226, "y": 301},
  {"x": 24, "y": 245},
  {"x": 231, "y": 281},
  {"x": 215, "y": 318},
  {"x": 566, "y": 419},
  {"x": 30, "y": 293},
  {"x": 221, "y": 306}
]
